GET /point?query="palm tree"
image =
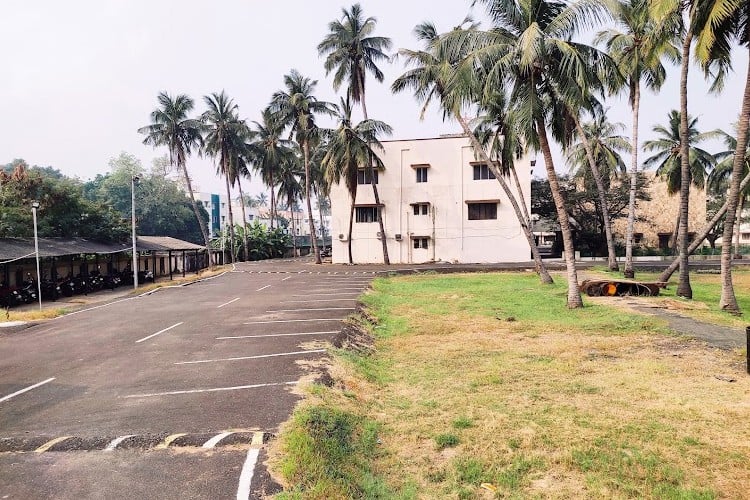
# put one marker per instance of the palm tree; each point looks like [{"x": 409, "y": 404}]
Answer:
[
  {"x": 668, "y": 161},
  {"x": 602, "y": 149},
  {"x": 268, "y": 150},
  {"x": 261, "y": 200},
  {"x": 290, "y": 189},
  {"x": 638, "y": 47},
  {"x": 530, "y": 50},
  {"x": 171, "y": 127},
  {"x": 721, "y": 178},
  {"x": 221, "y": 143},
  {"x": 297, "y": 107},
  {"x": 352, "y": 52},
  {"x": 719, "y": 23},
  {"x": 429, "y": 80},
  {"x": 238, "y": 168},
  {"x": 349, "y": 147}
]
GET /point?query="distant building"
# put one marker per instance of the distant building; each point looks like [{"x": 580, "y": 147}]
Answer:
[
  {"x": 218, "y": 211},
  {"x": 438, "y": 202}
]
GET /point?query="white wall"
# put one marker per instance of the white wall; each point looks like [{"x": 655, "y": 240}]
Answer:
[{"x": 450, "y": 184}]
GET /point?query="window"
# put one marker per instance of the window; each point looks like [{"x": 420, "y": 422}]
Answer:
[
  {"x": 637, "y": 238},
  {"x": 366, "y": 214},
  {"x": 482, "y": 211},
  {"x": 421, "y": 208},
  {"x": 363, "y": 176},
  {"x": 421, "y": 243},
  {"x": 482, "y": 172},
  {"x": 421, "y": 174}
]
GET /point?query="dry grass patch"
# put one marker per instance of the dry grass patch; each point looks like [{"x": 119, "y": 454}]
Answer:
[{"x": 546, "y": 405}]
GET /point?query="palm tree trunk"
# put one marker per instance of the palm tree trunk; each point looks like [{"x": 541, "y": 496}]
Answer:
[
  {"x": 273, "y": 204},
  {"x": 675, "y": 234},
  {"x": 611, "y": 256},
  {"x": 683, "y": 286},
  {"x": 294, "y": 226},
  {"x": 636, "y": 104},
  {"x": 351, "y": 226},
  {"x": 313, "y": 237},
  {"x": 740, "y": 207},
  {"x": 231, "y": 216},
  {"x": 574, "y": 293},
  {"x": 539, "y": 266},
  {"x": 521, "y": 198},
  {"x": 669, "y": 271},
  {"x": 194, "y": 204},
  {"x": 244, "y": 222},
  {"x": 728, "y": 300}
]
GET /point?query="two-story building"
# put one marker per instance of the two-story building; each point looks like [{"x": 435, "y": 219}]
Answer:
[{"x": 438, "y": 203}]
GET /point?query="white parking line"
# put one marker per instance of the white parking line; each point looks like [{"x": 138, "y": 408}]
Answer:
[
  {"x": 116, "y": 441},
  {"x": 227, "y": 303},
  {"x": 314, "y": 309},
  {"x": 215, "y": 440},
  {"x": 289, "y": 321},
  {"x": 263, "y": 288},
  {"x": 242, "y": 358},
  {"x": 248, "y": 469},
  {"x": 216, "y": 389},
  {"x": 27, "y": 389},
  {"x": 159, "y": 332},
  {"x": 276, "y": 335},
  {"x": 286, "y": 278},
  {"x": 317, "y": 300}
]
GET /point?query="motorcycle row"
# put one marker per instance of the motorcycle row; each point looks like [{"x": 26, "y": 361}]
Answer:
[{"x": 67, "y": 286}]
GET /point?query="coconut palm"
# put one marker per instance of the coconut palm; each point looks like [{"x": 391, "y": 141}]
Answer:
[
  {"x": 172, "y": 127},
  {"x": 296, "y": 107},
  {"x": 668, "y": 162},
  {"x": 718, "y": 24},
  {"x": 721, "y": 178},
  {"x": 290, "y": 188},
  {"x": 638, "y": 43},
  {"x": 428, "y": 79},
  {"x": 352, "y": 52},
  {"x": 222, "y": 126},
  {"x": 268, "y": 150},
  {"x": 238, "y": 169},
  {"x": 349, "y": 147},
  {"x": 530, "y": 50}
]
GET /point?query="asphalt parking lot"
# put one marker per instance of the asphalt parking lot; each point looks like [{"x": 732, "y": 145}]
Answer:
[{"x": 173, "y": 394}]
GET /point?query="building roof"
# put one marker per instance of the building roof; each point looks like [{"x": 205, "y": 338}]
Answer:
[{"x": 19, "y": 248}]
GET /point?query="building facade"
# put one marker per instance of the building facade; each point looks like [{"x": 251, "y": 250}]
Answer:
[{"x": 438, "y": 203}]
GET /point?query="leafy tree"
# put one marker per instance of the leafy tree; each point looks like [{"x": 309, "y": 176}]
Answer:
[
  {"x": 290, "y": 189},
  {"x": 172, "y": 127}
]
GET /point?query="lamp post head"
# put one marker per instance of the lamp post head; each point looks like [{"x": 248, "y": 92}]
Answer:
[
  {"x": 136, "y": 178},
  {"x": 34, "y": 204}
]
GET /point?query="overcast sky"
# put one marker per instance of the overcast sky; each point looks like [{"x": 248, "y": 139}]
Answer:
[{"x": 80, "y": 77}]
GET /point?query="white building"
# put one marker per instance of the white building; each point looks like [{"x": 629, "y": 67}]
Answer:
[
  {"x": 218, "y": 212},
  {"x": 438, "y": 203}
]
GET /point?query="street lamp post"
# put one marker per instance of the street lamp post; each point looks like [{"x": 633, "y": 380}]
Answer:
[
  {"x": 133, "y": 181},
  {"x": 34, "y": 206}
]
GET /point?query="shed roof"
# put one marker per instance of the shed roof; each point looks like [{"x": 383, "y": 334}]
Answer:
[{"x": 18, "y": 248}]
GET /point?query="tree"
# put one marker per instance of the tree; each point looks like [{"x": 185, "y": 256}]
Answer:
[
  {"x": 718, "y": 24},
  {"x": 222, "y": 126},
  {"x": 429, "y": 79},
  {"x": 349, "y": 147},
  {"x": 667, "y": 158},
  {"x": 172, "y": 127},
  {"x": 638, "y": 47},
  {"x": 721, "y": 177},
  {"x": 290, "y": 189},
  {"x": 296, "y": 107},
  {"x": 596, "y": 157},
  {"x": 530, "y": 50},
  {"x": 353, "y": 52}
]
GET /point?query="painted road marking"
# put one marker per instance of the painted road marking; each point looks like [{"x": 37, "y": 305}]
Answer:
[
  {"x": 27, "y": 389},
  {"x": 215, "y": 389},
  {"x": 116, "y": 441},
  {"x": 325, "y": 294},
  {"x": 227, "y": 303},
  {"x": 246, "y": 476},
  {"x": 286, "y": 278},
  {"x": 263, "y": 288},
  {"x": 313, "y": 309},
  {"x": 49, "y": 444},
  {"x": 215, "y": 440},
  {"x": 289, "y": 321},
  {"x": 168, "y": 440},
  {"x": 317, "y": 300},
  {"x": 159, "y": 332},
  {"x": 241, "y": 358},
  {"x": 328, "y": 289},
  {"x": 276, "y": 335}
]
